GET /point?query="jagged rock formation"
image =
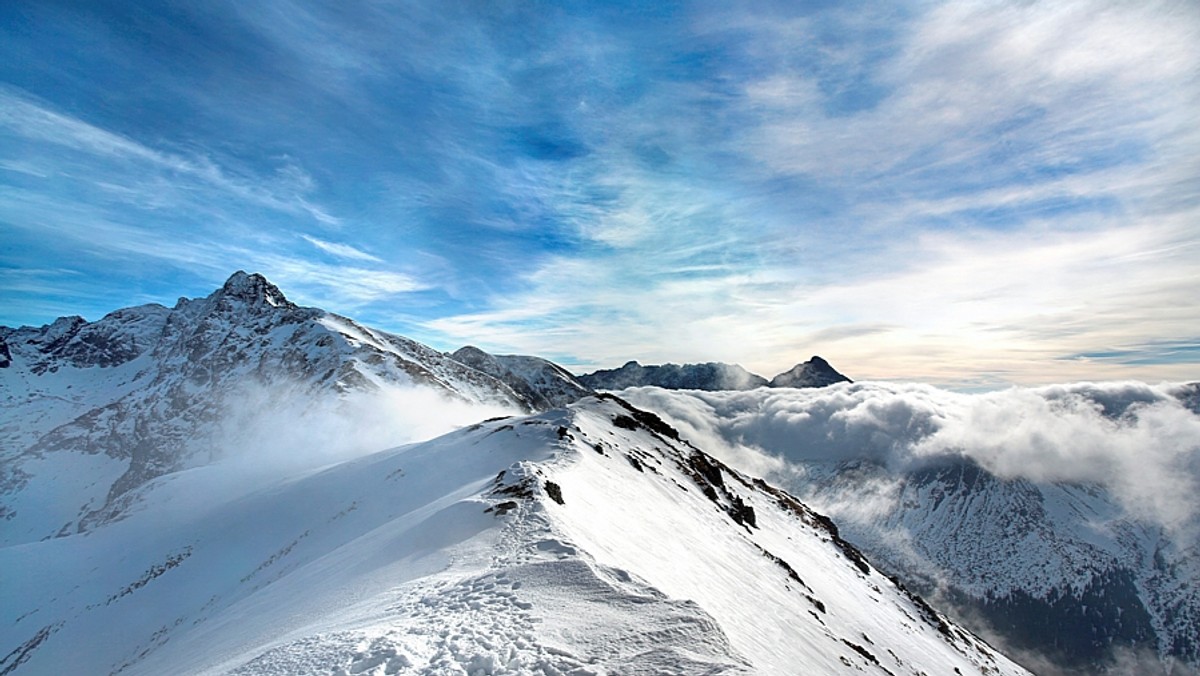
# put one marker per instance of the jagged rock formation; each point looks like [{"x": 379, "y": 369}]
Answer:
[{"x": 1053, "y": 568}]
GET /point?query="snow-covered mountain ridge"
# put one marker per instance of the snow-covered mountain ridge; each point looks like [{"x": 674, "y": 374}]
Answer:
[
  {"x": 584, "y": 540},
  {"x": 141, "y": 393}
]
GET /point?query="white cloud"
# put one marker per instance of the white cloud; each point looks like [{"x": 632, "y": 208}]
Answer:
[
  {"x": 89, "y": 228},
  {"x": 1126, "y": 72},
  {"x": 1137, "y": 441},
  {"x": 764, "y": 228},
  {"x": 1083, "y": 149},
  {"x": 151, "y": 177},
  {"x": 341, "y": 250},
  {"x": 274, "y": 428},
  {"x": 334, "y": 286}
]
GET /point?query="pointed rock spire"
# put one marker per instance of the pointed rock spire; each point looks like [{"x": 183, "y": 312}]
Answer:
[
  {"x": 816, "y": 372},
  {"x": 253, "y": 289}
]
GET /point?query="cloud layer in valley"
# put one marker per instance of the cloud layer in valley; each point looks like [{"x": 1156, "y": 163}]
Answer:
[{"x": 1140, "y": 442}]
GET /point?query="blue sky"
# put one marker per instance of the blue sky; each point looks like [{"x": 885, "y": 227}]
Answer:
[{"x": 970, "y": 194}]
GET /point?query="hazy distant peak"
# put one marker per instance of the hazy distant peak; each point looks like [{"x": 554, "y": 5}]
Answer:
[
  {"x": 816, "y": 372},
  {"x": 711, "y": 376},
  {"x": 708, "y": 376}
]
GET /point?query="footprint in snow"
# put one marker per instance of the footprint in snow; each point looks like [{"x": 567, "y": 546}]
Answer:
[{"x": 562, "y": 549}]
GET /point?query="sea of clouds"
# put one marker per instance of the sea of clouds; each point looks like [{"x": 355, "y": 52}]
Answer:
[{"x": 1140, "y": 442}]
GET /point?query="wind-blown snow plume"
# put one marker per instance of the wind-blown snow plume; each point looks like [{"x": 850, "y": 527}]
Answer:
[
  {"x": 275, "y": 428},
  {"x": 1141, "y": 442}
]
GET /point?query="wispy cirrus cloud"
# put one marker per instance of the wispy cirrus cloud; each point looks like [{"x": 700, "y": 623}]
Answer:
[
  {"x": 1008, "y": 303},
  {"x": 160, "y": 210},
  {"x": 341, "y": 250},
  {"x": 337, "y": 285},
  {"x": 28, "y": 121}
]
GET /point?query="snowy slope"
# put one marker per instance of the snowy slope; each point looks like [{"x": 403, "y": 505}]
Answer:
[
  {"x": 1063, "y": 519},
  {"x": 149, "y": 390},
  {"x": 585, "y": 541}
]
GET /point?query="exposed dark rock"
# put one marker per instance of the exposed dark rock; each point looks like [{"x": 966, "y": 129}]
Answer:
[
  {"x": 645, "y": 418},
  {"x": 742, "y": 513},
  {"x": 791, "y": 572},
  {"x": 706, "y": 468},
  {"x": 521, "y": 490},
  {"x": 848, "y": 549},
  {"x": 502, "y": 508},
  {"x": 554, "y": 491},
  {"x": 865, "y": 653},
  {"x": 155, "y": 571},
  {"x": 625, "y": 422},
  {"x": 821, "y": 521},
  {"x": 21, "y": 654}
]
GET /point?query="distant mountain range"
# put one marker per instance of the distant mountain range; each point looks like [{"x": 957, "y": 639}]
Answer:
[
  {"x": 146, "y": 528},
  {"x": 711, "y": 376}
]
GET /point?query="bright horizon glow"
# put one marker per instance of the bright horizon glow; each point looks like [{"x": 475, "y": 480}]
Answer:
[{"x": 967, "y": 195}]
